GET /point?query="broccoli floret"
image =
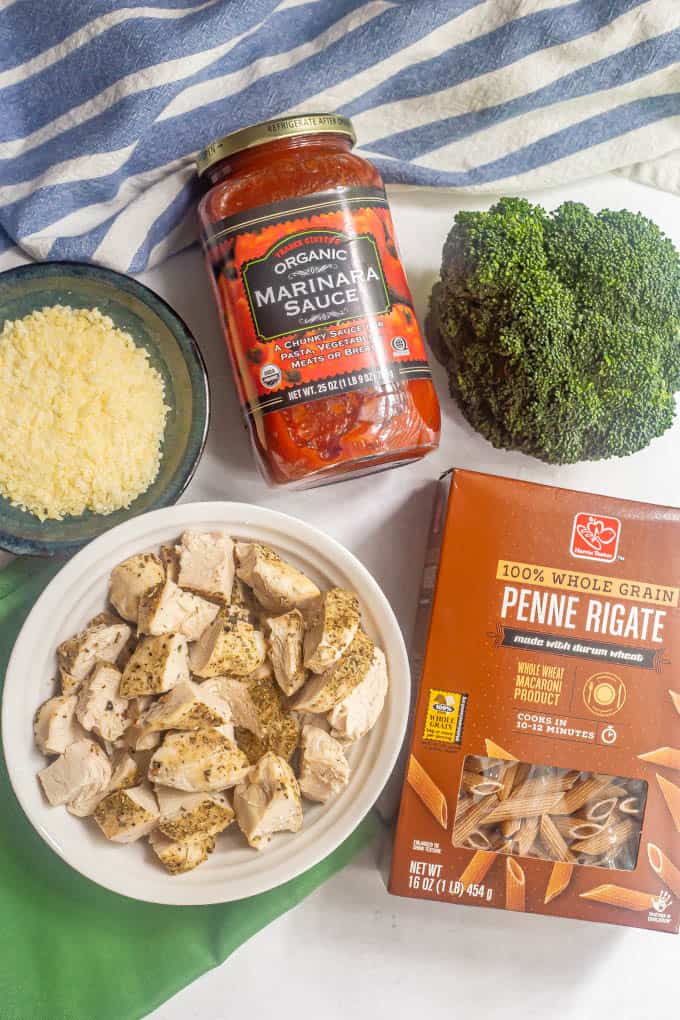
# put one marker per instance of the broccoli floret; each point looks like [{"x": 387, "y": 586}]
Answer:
[{"x": 560, "y": 331}]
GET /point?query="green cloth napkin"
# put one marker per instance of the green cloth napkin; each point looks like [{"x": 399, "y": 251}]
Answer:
[{"x": 70, "y": 950}]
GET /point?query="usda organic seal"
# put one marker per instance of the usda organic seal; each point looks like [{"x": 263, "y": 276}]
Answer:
[{"x": 270, "y": 376}]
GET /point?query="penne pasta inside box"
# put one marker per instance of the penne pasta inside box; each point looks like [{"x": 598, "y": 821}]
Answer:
[{"x": 544, "y": 767}]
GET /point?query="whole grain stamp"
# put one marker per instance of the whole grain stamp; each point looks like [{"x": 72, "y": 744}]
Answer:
[{"x": 544, "y": 768}]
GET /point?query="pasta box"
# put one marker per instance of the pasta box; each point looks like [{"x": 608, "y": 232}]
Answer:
[{"x": 544, "y": 766}]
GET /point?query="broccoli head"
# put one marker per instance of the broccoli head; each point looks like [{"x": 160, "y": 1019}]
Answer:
[{"x": 560, "y": 331}]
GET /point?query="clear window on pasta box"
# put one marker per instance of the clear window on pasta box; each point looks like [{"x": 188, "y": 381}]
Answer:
[{"x": 555, "y": 814}]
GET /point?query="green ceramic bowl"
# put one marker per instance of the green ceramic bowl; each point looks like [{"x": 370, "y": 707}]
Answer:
[{"x": 172, "y": 350}]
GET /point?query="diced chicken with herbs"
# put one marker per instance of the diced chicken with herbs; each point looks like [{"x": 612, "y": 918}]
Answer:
[
  {"x": 125, "y": 771},
  {"x": 168, "y": 609},
  {"x": 242, "y": 597},
  {"x": 331, "y": 627},
  {"x": 55, "y": 725},
  {"x": 78, "y": 778},
  {"x": 188, "y": 706},
  {"x": 324, "y": 770},
  {"x": 156, "y": 666},
  {"x": 185, "y": 814},
  {"x": 131, "y": 579},
  {"x": 323, "y": 692},
  {"x": 229, "y": 645},
  {"x": 277, "y": 585},
  {"x": 286, "y": 639},
  {"x": 100, "y": 708},
  {"x": 69, "y": 684},
  {"x": 137, "y": 738},
  {"x": 138, "y": 706},
  {"x": 257, "y": 707},
  {"x": 313, "y": 719},
  {"x": 104, "y": 638},
  {"x": 169, "y": 557},
  {"x": 234, "y": 653},
  {"x": 198, "y": 761},
  {"x": 268, "y": 801},
  {"x": 206, "y": 565},
  {"x": 129, "y": 814},
  {"x": 357, "y": 713},
  {"x": 181, "y": 855}
]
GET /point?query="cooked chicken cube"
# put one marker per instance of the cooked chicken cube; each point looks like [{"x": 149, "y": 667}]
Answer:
[
  {"x": 131, "y": 579},
  {"x": 199, "y": 615},
  {"x": 277, "y": 585},
  {"x": 198, "y": 761},
  {"x": 103, "y": 638},
  {"x": 257, "y": 706},
  {"x": 162, "y": 609},
  {"x": 253, "y": 747},
  {"x": 243, "y": 597},
  {"x": 321, "y": 693},
  {"x": 283, "y": 737},
  {"x": 55, "y": 725},
  {"x": 125, "y": 771},
  {"x": 263, "y": 672},
  {"x": 212, "y": 689},
  {"x": 138, "y": 706},
  {"x": 206, "y": 564},
  {"x": 111, "y": 746},
  {"x": 331, "y": 628},
  {"x": 168, "y": 609},
  {"x": 78, "y": 778},
  {"x": 227, "y": 730},
  {"x": 157, "y": 665},
  {"x": 143, "y": 757},
  {"x": 268, "y": 801},
  {"x": 286, "y": 635},
  {"x": 358, "y": 712},
  {"x": 313, "y": 719},
  {"x": 185, "y": 814},
  {"x": 254, "y": 704},
  {"x": 68, "y": 683},
  {"x": 282, "y": 740},
  {"x": 169, "y": 556},
  {"x": 229, "y": 645},
  {"x": 178, "y": 856},
  {"x": 187, "y": 706},
  {"x": 100, "y": 709},
  {"x": 137, "y": 738},
  {"x": 324, "y": 770},
  {"x": 127, "y": 815}
]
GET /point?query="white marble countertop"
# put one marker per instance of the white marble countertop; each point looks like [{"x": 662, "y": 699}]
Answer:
[{"x": 351, "y": 949}]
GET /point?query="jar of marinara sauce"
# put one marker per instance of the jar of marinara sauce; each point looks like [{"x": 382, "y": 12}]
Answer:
[{"x": 326, "y": 350}]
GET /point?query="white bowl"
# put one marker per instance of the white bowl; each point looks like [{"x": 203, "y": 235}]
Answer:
[{"x": 233, "y": 871}]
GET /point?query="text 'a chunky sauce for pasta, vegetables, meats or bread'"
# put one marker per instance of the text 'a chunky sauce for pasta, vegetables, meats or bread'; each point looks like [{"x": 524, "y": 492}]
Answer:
[{"x": 327, "y": 353}]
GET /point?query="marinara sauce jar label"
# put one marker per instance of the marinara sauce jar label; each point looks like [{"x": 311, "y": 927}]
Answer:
[{"x": 329, "y": 359}]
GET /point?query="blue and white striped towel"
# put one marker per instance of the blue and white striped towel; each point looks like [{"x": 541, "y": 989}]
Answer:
[{"x": 103, "y": 103}]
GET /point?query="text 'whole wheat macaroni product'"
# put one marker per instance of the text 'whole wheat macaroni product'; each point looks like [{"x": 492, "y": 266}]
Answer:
[{"x": 544, "y": 768}]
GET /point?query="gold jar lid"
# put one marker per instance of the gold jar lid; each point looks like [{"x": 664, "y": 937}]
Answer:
[{"x": 269, "y": 131}]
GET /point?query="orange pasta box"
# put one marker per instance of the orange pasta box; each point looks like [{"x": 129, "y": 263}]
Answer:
[{"x": 544, "y": 766}]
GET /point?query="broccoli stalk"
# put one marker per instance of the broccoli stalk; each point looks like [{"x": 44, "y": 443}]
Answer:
[{"x": 560, "y": 331}]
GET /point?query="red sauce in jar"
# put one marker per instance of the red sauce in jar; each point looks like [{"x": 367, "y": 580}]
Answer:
[{"x": 326, "y": 350}]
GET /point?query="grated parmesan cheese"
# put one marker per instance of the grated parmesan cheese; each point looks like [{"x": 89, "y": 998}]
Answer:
[{"x": 82, "y": 414}]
